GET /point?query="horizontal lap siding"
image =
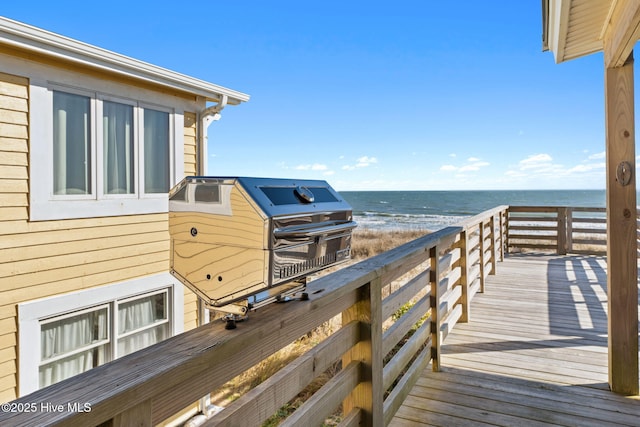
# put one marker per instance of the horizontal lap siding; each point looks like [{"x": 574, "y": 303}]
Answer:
[
  {"x": 46, "y": 258},
  {"x": 14, "y": 135}
]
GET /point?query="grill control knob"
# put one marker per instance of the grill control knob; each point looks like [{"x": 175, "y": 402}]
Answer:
[{"x": 304, "y": 194}]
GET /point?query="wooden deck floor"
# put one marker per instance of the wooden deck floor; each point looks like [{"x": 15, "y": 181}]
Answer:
[{"x": 534, "y": 353}]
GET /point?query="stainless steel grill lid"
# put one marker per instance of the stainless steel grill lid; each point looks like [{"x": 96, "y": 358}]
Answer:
[
  {"x": 233, "y": 237},
  {"x": 274, "y": 196}
]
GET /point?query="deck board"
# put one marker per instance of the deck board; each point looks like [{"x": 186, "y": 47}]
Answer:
[{"x": 534, "y": 353}]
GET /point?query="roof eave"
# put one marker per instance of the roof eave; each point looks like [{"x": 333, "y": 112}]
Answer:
[{"x": 36, "y": 40}]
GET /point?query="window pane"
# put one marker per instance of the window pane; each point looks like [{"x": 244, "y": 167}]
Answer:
[
  {"x": 118, "y": 141},
  {"x": 71, "y": 144},
  {"x": 78, "y": 363},
  {"x": 156, "y": 151},
  {"x": 142, "y": 339},
  {"x": 141, "y": 312},
  {"x": 81, "y": 337},
  {"x": 136, "y": 320}
]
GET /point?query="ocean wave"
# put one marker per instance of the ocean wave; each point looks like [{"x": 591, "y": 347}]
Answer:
[{"x": 397, "y": 221}]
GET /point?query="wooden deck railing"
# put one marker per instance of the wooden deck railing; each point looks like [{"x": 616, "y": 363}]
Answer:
[
  {"x": 395, "y": 310},
  {"x": 560, "y": 229}
]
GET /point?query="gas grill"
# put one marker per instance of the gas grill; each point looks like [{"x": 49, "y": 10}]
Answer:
[{"x": 242, "y": 242}]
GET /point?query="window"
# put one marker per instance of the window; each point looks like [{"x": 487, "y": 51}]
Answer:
[
  {"x": 97, "y": 154},
  {"x": 74, "y": 343},
  {"x": 119, "y": 137},
  {"x": 80, "y": 331}
]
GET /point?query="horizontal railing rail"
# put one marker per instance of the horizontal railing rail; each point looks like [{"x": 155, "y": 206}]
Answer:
[{"x": 395, "y": 310}]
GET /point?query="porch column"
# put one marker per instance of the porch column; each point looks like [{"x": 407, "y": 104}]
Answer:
[{"x": 622, "y": 257}]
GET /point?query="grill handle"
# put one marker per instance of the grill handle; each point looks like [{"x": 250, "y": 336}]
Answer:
[{"x": 306, "y": 231}]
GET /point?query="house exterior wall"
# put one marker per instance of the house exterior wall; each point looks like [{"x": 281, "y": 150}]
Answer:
[{"x": 40, "y": 259}]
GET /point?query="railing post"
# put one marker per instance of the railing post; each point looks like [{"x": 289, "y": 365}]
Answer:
[
  {"x": 434, "y": 280},
  {"x": 464, "y": 277},
  {"x": 138, "y": 416},
  {"x": 569, "y": 230},
  {"x": 503, "y": 217},
  {"x": 562, "y": 231},
  {"x": 481, "y": 258},
  {"x": 506, "y": 229},
  {"x": 492, "y": 224},
  {"x": 368, "y": 395}
]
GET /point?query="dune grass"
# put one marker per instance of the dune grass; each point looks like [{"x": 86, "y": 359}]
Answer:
[{"x": 368, "y": 242}]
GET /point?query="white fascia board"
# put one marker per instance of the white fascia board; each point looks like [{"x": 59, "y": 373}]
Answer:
[
  {"x": 558, "y": 24},
  {"x": 33, "y": 39}
]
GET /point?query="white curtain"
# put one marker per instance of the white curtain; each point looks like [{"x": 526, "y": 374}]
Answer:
[
  {"x": 139, "y": 315},
  {"x": 75, "y": 344},
  {"x": 71, "y": 335},
  {"x": 71, "y": 144},
  {"x": 156, "y": 151},
  {"x": 117, "y": 120}
]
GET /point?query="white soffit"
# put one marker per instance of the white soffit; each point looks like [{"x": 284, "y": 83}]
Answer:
[
  {"x": 575, "y": 28},
  {"x": 32, "y": 39}
]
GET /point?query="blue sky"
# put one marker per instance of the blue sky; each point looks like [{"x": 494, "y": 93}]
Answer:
[{"x": 409, "y": 95}]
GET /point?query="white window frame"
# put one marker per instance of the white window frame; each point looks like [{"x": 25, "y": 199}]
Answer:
[
  {"x": 44, "y": 205},
  {"x": 31, "y": 315}
]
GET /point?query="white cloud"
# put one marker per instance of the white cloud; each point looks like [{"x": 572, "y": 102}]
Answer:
[
  {"x": 365, "y": 161},
  {"x": 453, "y": 155},
  {"x": 474, "y": 164},
  {"x": 313, "y": 167},
  {"x": 598, "y": 156},
  {"x": 540, "y": 170},
  {"x": 587, "y": 167},
  {"x": 536, "y": 161},
  {"x": 361, "y": 162}
]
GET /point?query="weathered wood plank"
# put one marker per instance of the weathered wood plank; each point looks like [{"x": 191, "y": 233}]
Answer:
[
  {"x": 400, "y": 296},
  {"x": 622, "y": 224},
  {"x": 527, "y": 357},
  {"x": 261, "y": 402},
  {"x": 315, "y": 410}
]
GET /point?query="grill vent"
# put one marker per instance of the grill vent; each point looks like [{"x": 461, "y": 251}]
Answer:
[{"x": 310, "y": 264}]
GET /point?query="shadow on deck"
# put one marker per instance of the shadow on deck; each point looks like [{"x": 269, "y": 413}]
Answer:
[{"x": 534, "y": 353}]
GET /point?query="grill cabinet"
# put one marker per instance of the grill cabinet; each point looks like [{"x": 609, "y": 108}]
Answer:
[{"x": 236, "y": 238}]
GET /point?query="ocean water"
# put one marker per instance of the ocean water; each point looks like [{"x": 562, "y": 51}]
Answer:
[{"x": 433, "y": 210}]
